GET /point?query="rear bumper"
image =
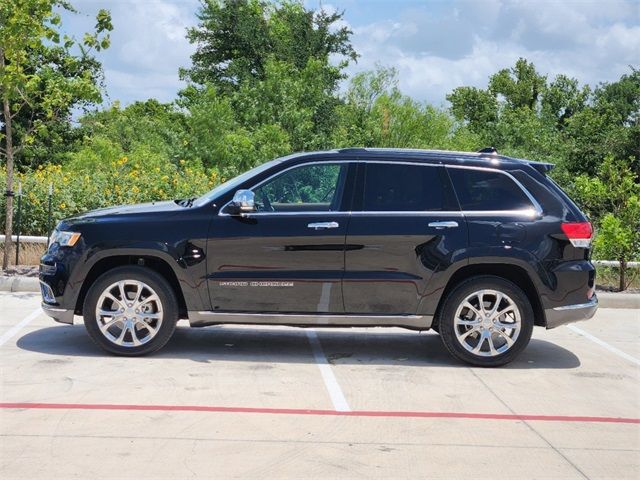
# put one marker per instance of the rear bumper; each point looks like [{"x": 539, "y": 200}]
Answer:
[
  {"x": 61, "y": 315},
  {"x": 571, "y": 313}
]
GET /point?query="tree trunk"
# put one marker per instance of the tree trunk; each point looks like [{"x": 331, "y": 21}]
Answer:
[
  {"x": 8, "y": 226},
  {"x": 623, "y": 276}
]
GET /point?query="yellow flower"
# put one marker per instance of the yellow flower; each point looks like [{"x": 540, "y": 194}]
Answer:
[
  {"x": 182, "y": 162},
  {"x": 63, "y": 206}
]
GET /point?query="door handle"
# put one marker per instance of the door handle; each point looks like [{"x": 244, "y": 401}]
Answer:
[
  {"x": 441, "y": 225},
  {"x": 323, "y": 225}
]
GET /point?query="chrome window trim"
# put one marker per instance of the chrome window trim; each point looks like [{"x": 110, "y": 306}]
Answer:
[
  {"x": 221, "y": 214},
  {"x": 410, "y": 213},
  {"x": 536, "y": 209}
]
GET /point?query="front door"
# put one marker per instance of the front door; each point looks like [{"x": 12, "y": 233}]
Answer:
[
  {"x": 407, "y": 227},
  {"x": 287, "y": 256}
]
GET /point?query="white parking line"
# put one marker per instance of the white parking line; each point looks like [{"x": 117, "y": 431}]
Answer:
[
  {"x": 19, "y": 326},
  {"x": 335, "y": 392},
  {"x": 604, "y": 344}
]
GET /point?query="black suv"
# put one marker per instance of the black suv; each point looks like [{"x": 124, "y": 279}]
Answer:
[{"x": 476, "y": 246}]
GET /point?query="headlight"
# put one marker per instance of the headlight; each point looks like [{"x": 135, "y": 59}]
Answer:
[{"x": 65, "y": 239}]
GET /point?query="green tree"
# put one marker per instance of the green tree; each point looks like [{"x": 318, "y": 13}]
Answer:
[
  {"x": 161, "y": 126},
  {"x": 613, "y": 199},
  {"x": 375, "y": 113},
  {"x": 609, "y": 124},
  {"x": 508, "y": 114},
  {"x": 300, "y": 101},
  {"x": 476, "y": 106},
  {"x": 215, "y": 137},
  {"x": 29, "y": 33},
  {"x": 520, "y": 86},
  {"x": 353, "y": 114},
  {"x": 235, "y": 38},
  {"x": 563, "y": 98}
]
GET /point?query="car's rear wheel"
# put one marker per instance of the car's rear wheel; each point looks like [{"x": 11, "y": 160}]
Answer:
[
  {"x": 486, "y": 321},
  {"x": 130, "y": 311}
]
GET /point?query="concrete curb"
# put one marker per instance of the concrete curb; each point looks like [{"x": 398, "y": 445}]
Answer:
[
  {"x": 618, "y": 300},
  {"x": 19, "y": 284},
  {"x": 605, "y": 299}
]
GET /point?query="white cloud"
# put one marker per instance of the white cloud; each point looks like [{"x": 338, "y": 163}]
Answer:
[
  {"x": 464, "y": 44},
  {"x": 148, "y": 45},
  {"x": 436, "y": 46},
  {"x": 141, "y": 86}
]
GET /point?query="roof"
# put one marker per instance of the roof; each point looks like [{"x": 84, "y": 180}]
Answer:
[{"x": 446, "y": 157}]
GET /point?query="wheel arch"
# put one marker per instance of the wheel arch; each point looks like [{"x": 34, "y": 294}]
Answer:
[
  {"x": 152, "y": 262},
  {"x": 514, "y": 273}
]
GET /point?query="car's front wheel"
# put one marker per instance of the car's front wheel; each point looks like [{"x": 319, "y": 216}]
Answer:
[
  {"x": 130, "y": 311},
  {"x": 486, "y": 321}
]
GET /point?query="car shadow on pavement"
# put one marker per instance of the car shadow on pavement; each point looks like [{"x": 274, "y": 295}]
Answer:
[{"x": 290, "y": 345}]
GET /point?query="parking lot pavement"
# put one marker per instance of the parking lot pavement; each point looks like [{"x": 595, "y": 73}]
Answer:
[{"x": 260, "y": 402}]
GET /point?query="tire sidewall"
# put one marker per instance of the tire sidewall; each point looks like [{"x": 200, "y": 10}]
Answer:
[
  {"x": 466, "y": 288},
  {"x": 153, "y": 280}
]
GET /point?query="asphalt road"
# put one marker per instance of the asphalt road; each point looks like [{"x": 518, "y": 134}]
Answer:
[{"x": 275, "y": 402}]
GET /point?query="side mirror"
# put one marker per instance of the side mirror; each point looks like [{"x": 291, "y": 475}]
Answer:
[{"x": 243, "y": 202}]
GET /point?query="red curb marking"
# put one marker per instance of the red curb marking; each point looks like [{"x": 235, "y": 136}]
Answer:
[{"x": 301, "y": 411}]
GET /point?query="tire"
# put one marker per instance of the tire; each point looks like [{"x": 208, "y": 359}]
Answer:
[
  {"x": 489, "y": 335},
  {"x": 141, "y": 324}
]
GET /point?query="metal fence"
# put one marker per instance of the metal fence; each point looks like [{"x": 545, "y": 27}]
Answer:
[{"x": 18, "y": 238}]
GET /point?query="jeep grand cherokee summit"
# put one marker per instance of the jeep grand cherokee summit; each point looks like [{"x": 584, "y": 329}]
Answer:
[{"x": 477, "y": 246}]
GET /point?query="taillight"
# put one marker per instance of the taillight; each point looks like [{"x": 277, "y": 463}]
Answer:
[{"x": 578, "y": 233}]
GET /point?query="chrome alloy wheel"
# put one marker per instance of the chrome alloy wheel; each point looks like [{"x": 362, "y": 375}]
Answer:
[
  {"x": 487, "y": 323},
  {"x": 129, "y": 313}
]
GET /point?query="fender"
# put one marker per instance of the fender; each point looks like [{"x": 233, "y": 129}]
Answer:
[
  {"x": 487, "y": 255},
  {"x": 185, "y": 258}
]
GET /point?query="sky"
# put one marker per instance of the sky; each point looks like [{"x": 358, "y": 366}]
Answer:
[{"x": 435, "y": 45}]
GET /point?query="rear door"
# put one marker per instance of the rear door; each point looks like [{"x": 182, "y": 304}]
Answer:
[
  {"x": 499, "y": 211},
  {"x": 405, "y": 225}
]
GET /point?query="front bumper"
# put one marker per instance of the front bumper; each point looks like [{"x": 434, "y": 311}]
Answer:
[
  {"x": 571, "y": 313},
  {"x": 61, "y": 315},
  {"x": 58, "y": 294}
]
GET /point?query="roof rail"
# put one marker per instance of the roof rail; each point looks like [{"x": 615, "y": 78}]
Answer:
[
  {"x": 490, "y": 150},
  {"x": 352, "y": 150}
]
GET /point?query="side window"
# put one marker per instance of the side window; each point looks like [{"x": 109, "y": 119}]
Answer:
[
  {"x": 308, "y": 188},
  {"x": 400, "y": 187},
  {"x": 487, "y": 190}
]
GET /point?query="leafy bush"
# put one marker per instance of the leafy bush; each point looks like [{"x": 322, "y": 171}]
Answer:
[
  {"x": 99, "y": 175},
  {"x": 612, "y": 199}
]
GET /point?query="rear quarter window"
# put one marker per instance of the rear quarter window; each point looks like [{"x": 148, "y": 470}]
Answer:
[{"x": 487, "y": 190}]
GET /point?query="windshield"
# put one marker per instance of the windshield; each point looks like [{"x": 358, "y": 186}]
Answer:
[{"x": 232, "y": 184}]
